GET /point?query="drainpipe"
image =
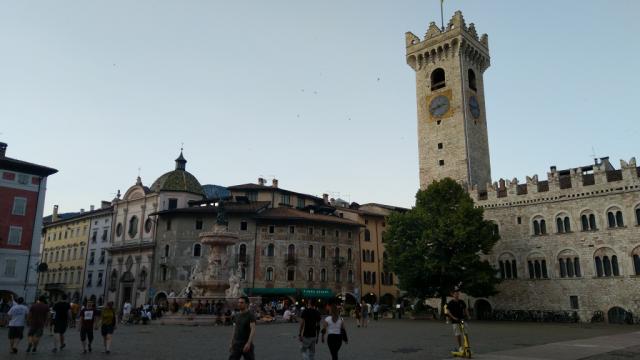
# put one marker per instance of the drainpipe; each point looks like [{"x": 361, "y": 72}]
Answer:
[{"x": 26, "y": 275}]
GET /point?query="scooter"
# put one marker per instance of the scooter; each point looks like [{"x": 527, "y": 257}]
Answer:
[{"x": 465, "y": 350}]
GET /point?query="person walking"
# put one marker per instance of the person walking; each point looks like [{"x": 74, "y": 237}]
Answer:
[
  {"x": 63, "y": 312},
  {"x": 87, "y": 322},
  {"x": 108, "y": 325},
  {"x": 38, "y": 316},
  {"x": 365, "y": 314},
  {"x": 309, "y": 331},
  {"x": 376, "y": 311},
  {"x": 244, "y": 330},
  {"x": 333, "y": 326},
  {"x": 17, "y": 320},
  {"x": 126, "y": 312}
]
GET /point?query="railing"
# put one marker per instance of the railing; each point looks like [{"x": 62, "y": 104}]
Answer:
[{"x": 338, "y": 261}]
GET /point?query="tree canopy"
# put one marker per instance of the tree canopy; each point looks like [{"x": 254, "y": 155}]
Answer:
[{"x": 436, "y": 246}]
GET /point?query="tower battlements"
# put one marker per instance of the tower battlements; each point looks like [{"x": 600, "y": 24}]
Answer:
[
  {"x": 591, "y": 180},
  {"x": 456, "y": 38}
]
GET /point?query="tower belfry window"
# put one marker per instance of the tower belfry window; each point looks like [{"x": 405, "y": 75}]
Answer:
[
  {"x": 472, "y": 80},
  {"x": 438, "y": 80}
]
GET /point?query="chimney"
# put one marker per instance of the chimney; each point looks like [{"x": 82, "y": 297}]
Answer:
[
  {"x": 104, "y": 204},
  {"x": 274, "y": 183},
  {"x": 54, "y": 217},
  {"x": 91, "y": 207},
  {"x": 3, "y": 149},
  {"x": 261, "y": 181},
  {"x": 325, "y": 198}
]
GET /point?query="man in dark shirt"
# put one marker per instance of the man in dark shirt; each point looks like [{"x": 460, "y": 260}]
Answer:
[
  {"x": 457, "y": 311},
  {"x": 243, "y": 331},
  {"x": 63, "y": 313},
  {"x": 87, "y": 324},
  {"x": 38, "y": 315},
  {"x": 309, "y": 331}
]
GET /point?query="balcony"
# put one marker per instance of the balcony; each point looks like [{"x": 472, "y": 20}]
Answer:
[
  {"x": 290, "y": 260},
  {"x": 338, "y": 261},
  {"x": 54, "y": 287}
]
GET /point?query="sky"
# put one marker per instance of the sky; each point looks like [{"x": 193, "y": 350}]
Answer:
[{"x": 316, "y": 94}]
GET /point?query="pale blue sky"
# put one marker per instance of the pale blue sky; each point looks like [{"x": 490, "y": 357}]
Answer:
[{"x": 316, "y": 93}]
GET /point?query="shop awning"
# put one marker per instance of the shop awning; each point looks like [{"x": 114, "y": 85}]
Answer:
[
  {"x": 270, "y": 291},
  {"x": 317, "y": 293}
]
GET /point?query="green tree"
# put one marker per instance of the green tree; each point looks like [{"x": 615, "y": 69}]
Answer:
[{"x": 436, "y": 246}]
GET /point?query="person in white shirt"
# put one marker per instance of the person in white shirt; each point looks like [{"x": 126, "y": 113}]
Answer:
[
  {"x": 333, "y": 326},
  {"x": 126, "y": 312},
  {"x": 17, "y": 321}
]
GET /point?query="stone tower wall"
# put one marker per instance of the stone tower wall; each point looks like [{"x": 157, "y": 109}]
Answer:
[{"x": 465, "y": 148}]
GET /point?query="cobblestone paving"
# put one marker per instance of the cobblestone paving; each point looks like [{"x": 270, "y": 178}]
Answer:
[{"x": 387, "y": 339}]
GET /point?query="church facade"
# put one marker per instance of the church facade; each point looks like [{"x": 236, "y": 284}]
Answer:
[{"x": 570, "y": 242}]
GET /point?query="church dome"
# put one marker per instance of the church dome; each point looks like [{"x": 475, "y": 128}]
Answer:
[{"x": 178, "y": 180}]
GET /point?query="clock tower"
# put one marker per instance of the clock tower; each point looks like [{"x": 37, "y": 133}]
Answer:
[{"x": 452, "y": 127}]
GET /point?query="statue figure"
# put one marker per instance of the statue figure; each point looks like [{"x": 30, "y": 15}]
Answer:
[
  {"x": 234, "y": 285},
  {"x": 221, "y": 219},
  {"x": 196, "y": 271}
]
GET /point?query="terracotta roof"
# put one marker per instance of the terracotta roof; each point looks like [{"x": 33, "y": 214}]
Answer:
[
  {"x": 26, "y": 167},
  {"x": 251, "y": 186},
  {"x": 74, "y": 216},
  {"x": 283, "y": 213},
  {"x": 251, "y": 207}
]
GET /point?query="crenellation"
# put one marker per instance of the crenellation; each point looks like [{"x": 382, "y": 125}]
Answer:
[
  {"x": 585, "y": 181},
  {"x": 472, "y": 31},
  {"x": 457, "y": 22},
  {"x": 432, "y": 31}
]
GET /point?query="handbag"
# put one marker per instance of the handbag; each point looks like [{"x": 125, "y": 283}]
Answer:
[{"x": 343, "y": 334}]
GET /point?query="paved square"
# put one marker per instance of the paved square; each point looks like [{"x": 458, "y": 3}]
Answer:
[{"x": 386, "y": 339}]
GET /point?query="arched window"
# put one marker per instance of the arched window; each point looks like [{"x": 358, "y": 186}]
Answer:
[
  {"x": 291, "y": 250},
  {"x": 166, "y": 251},
  {"x": 349, "y": 254},
  {"x": 599, "y": 271},
  {"x": 242, "y": 253},
  {"x": 539, "y": 226},
  {"x": 113, "y": 280},
  {"x": 291, "y": 274},
  {"x": 350, "y": 276},
  {"x": 373, "y": 278},
  {"x": 270, "y": 250},
  {"x": 559, "y": 225},
  {"x": 638, "y": 216},
  {"x": 508, "y": 266},
  {"x": 310, "y": 251},
  {"x": 364, "y": 256},
  {"x": 243, "y": 273},
  {"x": 336, "y": 252},
  {"x": 606, "y": 262},
  {"x": 269, "y": 274},
  {"x": 119, "y": 229},
  {"x": 373, "y": 256},
  {"x": 614, "y": 266},
  {"x": 197, "y": 249},
  {"x": 537, "y": 267},
  {"x": 615, "y": 218},
  {"x": 323, "y": 275},
  {"x": 588, "y": 221},
  {"x": 438, "y": 80},
  {"x": 338, "y": 276},
  {"x": 367, "y": 235},
  {"x": 148, "y": 225},
  {"x": 569, "y": 263},
  {"x": 164, "y": 273},
  {"x": 636, "y": 263},
  {"x": 472, "y": 80},
  {"x": 142, "y": 283},
  {"x": 323, "y": 252},
  {"x": 310, "y": 274},
  {"x": 133, "y": 226}
]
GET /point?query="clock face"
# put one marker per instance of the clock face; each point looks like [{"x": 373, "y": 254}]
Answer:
[
  {"x": 474, "y": 107},
  {"x": 439, "y": 105}
]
